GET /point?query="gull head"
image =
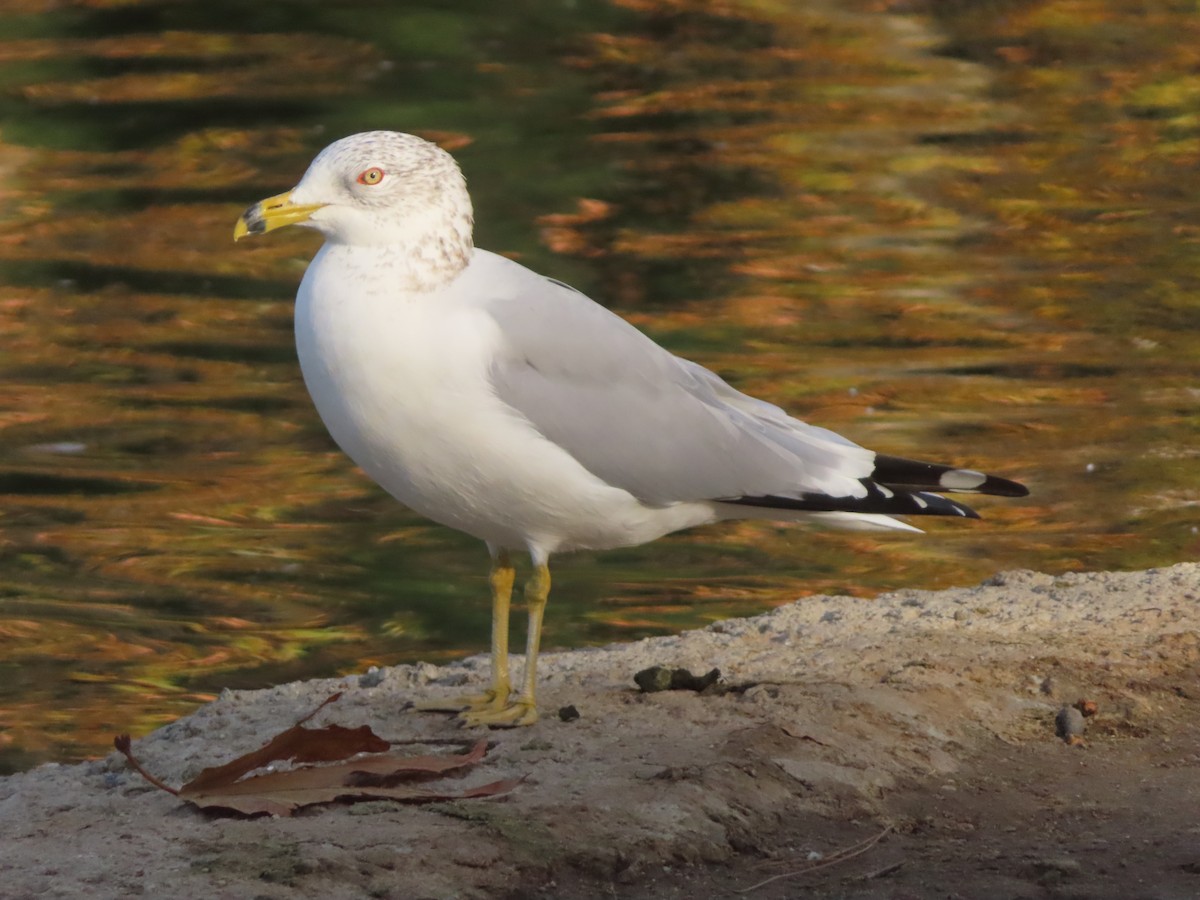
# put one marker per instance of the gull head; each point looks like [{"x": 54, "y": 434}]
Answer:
[{"x": 378, "y": 188}]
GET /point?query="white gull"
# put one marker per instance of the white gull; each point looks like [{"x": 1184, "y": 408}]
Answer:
[{"x": 509, "y": 406}]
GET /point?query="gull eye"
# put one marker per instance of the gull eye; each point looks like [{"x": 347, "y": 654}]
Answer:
[{"x": 373, "y": 175}]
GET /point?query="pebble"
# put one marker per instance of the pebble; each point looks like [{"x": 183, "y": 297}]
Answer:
[
  {"x": 1069, "y": 724},
  {"x": 661, "y": 678},
  {"x": 373, "y": 677}
]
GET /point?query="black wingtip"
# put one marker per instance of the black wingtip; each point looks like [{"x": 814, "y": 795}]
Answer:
[
  {"x": 899, "y": 487},
  {"x": 878, "y": 500},
  {"x": 1002, "y": 487},
  {"x": 909, "y": 474}
]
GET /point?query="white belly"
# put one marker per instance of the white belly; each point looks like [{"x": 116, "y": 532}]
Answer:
[{"x": 403, "y": 389}]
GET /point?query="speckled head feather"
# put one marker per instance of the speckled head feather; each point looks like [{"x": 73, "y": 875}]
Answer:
[{"x": 386, "y": 189}]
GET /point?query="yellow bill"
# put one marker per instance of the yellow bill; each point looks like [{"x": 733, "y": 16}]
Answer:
[{"x": 274, "y": 212}]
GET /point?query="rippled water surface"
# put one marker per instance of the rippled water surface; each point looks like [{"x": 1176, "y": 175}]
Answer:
[{"x": 962, "y": 231}]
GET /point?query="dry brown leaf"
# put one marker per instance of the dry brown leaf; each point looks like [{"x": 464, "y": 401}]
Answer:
[
  {"x": 297, "y": 744},
  {"x": 384, "y": 776}
]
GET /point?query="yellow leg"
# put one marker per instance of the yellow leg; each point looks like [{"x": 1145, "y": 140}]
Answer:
[
  {"x": 500, "y": 580},
  {"x": 523, "y": 710},
  {"x": 537, "y": 592}
]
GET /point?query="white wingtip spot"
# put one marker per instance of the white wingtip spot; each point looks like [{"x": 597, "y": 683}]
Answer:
[
  {"x": 962, "y": 479},
  {"x": 920, "y": 501}
]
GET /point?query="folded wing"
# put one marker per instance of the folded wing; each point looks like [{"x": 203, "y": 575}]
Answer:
[{"x": 668, "y": 430}]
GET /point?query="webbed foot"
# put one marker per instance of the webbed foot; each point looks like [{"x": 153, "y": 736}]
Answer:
[{"x": 515, "y": 714}]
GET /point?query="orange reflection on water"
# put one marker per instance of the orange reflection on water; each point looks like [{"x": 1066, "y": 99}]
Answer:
[{"x": 955, "y": 237}]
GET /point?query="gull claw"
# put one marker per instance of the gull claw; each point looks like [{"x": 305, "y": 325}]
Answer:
[{"x": 516, "y": 714}]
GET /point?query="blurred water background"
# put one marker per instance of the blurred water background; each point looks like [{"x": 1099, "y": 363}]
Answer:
[{"x": 964, "y": 231}]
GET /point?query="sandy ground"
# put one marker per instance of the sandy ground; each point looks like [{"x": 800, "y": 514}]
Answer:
[{"x": 924, "y": 717}]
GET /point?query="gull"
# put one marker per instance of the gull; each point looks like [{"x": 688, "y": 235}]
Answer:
[{"x": 510, "y": 406}]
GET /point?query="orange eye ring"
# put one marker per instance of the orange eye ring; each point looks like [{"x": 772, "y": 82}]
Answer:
[{"x": 373, "y": 175}]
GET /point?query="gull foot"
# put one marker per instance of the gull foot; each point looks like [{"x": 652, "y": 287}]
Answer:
[
  {"x": 512, "y": 715},
  {"x": 488, "y": 700}
]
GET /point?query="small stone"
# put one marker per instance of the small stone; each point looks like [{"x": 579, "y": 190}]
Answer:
[
  {"x": 660, "y": 678},
  {"x": 1069, "y": 724},
  {"x": 568, "y": 714},
  {"x": 373, "y": 677},
  {"x": 653, "y": 679},
  {"x": 1058, "y": 867}
]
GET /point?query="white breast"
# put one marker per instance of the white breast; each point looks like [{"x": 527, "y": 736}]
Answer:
[{"x": 402, "y": 386}]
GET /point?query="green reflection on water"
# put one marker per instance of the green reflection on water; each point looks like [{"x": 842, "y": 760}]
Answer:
[{"x": 962, "y": 237}]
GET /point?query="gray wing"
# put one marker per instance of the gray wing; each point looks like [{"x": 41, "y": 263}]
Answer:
[{"x": 641, "y": 419}]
